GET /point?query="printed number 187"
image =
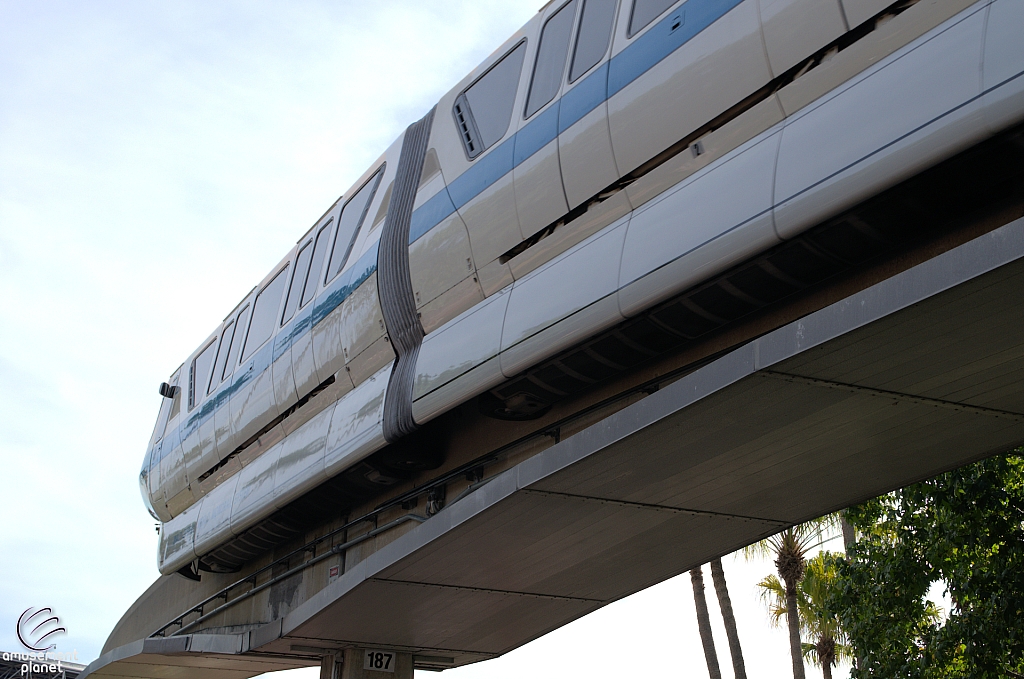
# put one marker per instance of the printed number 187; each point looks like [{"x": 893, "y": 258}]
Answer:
[{"x": 378, "y": 660}]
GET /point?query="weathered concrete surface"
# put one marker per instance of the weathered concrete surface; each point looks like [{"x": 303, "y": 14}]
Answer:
[{"x": 917, "y": 374}]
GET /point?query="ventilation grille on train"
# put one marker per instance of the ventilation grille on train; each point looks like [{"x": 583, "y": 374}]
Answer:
[{"x": 467, "y": 127}]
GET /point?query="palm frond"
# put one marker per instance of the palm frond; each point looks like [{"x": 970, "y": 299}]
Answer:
[{"x": 773, "y": 595}]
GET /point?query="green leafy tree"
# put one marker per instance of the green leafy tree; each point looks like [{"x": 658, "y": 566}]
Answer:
[
  {"x": 964, "y": 528},
  {"x": 817, "y": 623}
]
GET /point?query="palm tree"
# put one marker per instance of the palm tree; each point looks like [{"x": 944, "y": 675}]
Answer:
[
  {"x": 704, "y": 623},
  {"x": 725, "y": 604},
  {"x": 790, "y": 548},
  {"x": 830, "y": 643}
]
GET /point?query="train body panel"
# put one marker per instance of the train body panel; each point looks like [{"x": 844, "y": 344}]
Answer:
[
  {"x": 883, "y": 126},
  {"x": 536, "y": 175},
  {"x": 794, "y": 29},
  {"x": 530, "y": 235},
  {"x": 559, "y": 304},
  {"x": 1003, "y": 59},
  {"x": 697, "y": 62},
  {"x": 584, "y": 139},
  {"x": 859, "y": 11},
  {"x": 660, "y": 259}
]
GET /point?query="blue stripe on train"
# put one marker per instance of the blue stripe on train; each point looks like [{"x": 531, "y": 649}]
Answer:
[
  {"x": 337, "y": 292},
  {"x": 612, "y": 77},
  {"x": 646, "y": 52}
]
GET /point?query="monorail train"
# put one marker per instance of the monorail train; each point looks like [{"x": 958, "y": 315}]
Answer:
[{"x": 609, "y": 156}]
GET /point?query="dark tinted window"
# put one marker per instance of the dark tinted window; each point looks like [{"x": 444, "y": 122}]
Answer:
[
  {"x": 222, "y": 350},
  {"x": 646, "y": 11},
  {"x": 484, "y": 111},
  {"x": 236, "y": 339},
  {"x": 319, "y": 250},
  {"x": 161, "y": 424},
  {"x": 264, "y": 312},
  {"x": 175, "y": 408},
  {"x": 200, "y": 373},
  {"x": 222, "y": 354},
  {"x": 554, "y": 45},
  {"x": 298, "y": 278},
  {"x": 352, "y": 216},
  {"x": 594, "y": 34}
]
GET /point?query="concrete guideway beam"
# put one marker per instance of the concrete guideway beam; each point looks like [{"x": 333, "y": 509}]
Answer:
[{"x": 915, "y": 375}]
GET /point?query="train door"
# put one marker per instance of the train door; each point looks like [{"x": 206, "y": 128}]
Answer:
[
  {"x": 223, "y": 372},
  {"x": 365, "y": 340},
  {"x": 346, "y": 320},
  {"x": 584, "y": 143},
  {"x": 473, "y": 136},
  {"x": 675, "y": 67},
  {"x": 252, "y": 402},
  {"x": 299, "y": 323},
  {"x": 201, "y": 451},
  {"x": 285, "y": 390},
  {"x": 540, "y": 198},
  {"x": 444, "y": 280}
]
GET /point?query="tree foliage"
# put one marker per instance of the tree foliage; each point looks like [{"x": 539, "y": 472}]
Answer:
[
  {"x": 828, "y": 644},
  {"x": 964, "y": 528}
]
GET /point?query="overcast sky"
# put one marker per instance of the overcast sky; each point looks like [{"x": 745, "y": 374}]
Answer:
[{"x": 156, "y": 160}]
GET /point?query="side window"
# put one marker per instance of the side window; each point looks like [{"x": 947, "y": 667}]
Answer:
[
  {"x": 161, "y": 423},
  {"x": 264, "y": 313},
  {"x": 236, "y": 339},
  {"x": 593, "y": 36},
  {"x": 175, "y": 408},
  {"x": 319, "y": 251},
  {"x": 222, "y": 348},
  {"x": 227, "y": 337},
  {"x": 483, "y": 112},
  {"x": 382, "y": 211},
  {"x": 646, "y": 11},
  {"x": 352, "y": 215},
  {"x": 199, "y": 373},
  {"x": 298, "y": 278},
  {"x": 551, "y": 53}
]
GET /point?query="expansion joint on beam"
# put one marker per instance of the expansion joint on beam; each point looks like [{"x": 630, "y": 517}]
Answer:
[
  {"x": 485, "y": 590},
  {"x": 657, "y": 508},
  {"x": 895, "y": 395}
]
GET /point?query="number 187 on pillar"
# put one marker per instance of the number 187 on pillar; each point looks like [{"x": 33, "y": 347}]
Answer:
[{"x": 379, "y": 661}]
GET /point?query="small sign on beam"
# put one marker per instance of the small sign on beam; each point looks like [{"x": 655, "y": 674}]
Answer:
[{"x": 379, "y": 661}]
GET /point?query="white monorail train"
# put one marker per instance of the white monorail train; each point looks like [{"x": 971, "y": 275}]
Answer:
[{"x": 609, "y": 156}]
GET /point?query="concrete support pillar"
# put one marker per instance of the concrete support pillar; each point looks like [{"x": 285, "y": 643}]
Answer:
[
  {"x": 367, "y": 663},
  {"x": 330, "y": 667}
]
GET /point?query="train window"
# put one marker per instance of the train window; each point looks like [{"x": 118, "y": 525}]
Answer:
[
  {"x": 175, "y": 408},
  {"x": 298, "y": 278},
  {"x": 319, "y": 250},
  {"x": 352, "y": 215},
  {"x": 593, "y": 36},
  {"x": 382, "y": 211},
  {"x": 551, "y": 53},
  {"x": 264, "y": 311},
  {"x": 161, "y": 423},
  {"x": 236, "y": 339},
  {"x": 646, "y": 11},
  {"x": 483, "y": 112},
  {"x": 199, "y": 373},
  {"x": 222, "y": 355},
  {"x": 222, "y": 349}
]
